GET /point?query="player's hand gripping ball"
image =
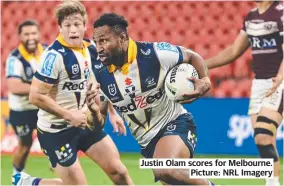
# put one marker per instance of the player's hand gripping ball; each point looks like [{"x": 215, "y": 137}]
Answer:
[{"x": 177, "y": 83}]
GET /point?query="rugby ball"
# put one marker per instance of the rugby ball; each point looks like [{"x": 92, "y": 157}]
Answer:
[{"x": 176, "y": 82}]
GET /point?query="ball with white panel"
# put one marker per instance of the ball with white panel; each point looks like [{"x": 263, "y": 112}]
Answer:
[{"x": 177, "y": 82}]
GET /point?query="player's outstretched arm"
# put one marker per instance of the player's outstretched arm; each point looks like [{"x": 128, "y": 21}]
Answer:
[
  {"x": 231, "y": 53},
  {"x": 40, "y": 97},
  {"x": 203, "y": 84}
]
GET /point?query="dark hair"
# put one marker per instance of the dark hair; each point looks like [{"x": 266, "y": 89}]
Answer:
[
  {"x": 117, "y": 22},
  {"x": 68, "y": 8},
  {"x": 28, "y": 22}
]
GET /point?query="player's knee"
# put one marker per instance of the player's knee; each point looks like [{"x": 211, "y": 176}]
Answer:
[
  {"x": 268, "y": 151},
  {"x": 265, "y": 130},
  {"x": 263, "y": 139},
  {"x": 117, "y": 170}
]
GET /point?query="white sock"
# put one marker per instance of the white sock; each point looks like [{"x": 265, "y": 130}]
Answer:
[
  {"x": 15, "y": 171},
  {"x": 26, "y": 179},
  {"x": 272, "y": 181}
]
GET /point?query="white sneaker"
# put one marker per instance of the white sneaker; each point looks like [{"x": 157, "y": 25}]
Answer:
[{"x": 22, "y": 178}]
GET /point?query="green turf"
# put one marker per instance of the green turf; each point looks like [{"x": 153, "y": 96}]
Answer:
[{"x": 38, "y": 166}]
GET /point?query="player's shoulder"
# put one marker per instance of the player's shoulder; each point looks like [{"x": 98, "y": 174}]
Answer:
[
  {"x": 56, "y": 48},
  {"x": 251, "y": 13},
  {"x": 51, "y": 56},
  {"x": 51, "y": 61},
  {"x": 279, "y": 7},
  {"x": 144, "y": 48},
  {"x": 52, "y": 52},
  {"x": 15, "y": 53},
  {"x": 12, "y": 59},
  {"x": 253, "y": 10},
  {"x": 160, "y": 48},
  {"x": 165, "y": 47},
  {"x": 143, "y": 44}
]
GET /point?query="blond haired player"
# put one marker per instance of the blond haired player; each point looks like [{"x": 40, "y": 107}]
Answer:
[{"x": 58, "y": 89}]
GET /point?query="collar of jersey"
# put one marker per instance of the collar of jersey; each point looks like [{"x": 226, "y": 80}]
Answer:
[
  {"x": 82, "y": 50},
  {"x": 132, "y": 54},
  {"x": 29, "y": 56}
]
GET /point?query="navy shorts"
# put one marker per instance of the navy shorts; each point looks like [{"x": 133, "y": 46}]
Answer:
[
  {"x": 183, "y": 126},
  {"x": 24, "y": 122},
  {"x": 62, "y": 147}
]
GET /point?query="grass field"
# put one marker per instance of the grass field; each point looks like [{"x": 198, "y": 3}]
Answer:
[{"x": 38, "y": 166}]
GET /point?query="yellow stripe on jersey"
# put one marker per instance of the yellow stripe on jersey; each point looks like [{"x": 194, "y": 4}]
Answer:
[
  {"x": 132, "y": 54},
  {"x": 29, "y": 56},
  {"x": 82, "y": 50}
]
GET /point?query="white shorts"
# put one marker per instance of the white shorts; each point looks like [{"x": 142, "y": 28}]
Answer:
[{"x": 258, "y": 99}]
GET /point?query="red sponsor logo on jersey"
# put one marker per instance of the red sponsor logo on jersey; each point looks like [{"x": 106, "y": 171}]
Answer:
[
  {"x": 75, "y": 85},
  {"x": 128, "y": 81},
  {"x": 140, "y": 102}
]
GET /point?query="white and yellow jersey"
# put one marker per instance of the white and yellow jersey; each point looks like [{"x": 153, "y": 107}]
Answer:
[
  {"x": 136, "y": 90},
  {"x": 21, "y": 64},
  {"x": 69, "y": 70}
]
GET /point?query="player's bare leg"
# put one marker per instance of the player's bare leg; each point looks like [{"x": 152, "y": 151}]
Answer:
[
  {"x": 265, "y": 139},
  {"x": 253, "y": 119},
  {"x": 72, "y": 175},
  {"x": 174, "y": 147},
  {"x": 106, "y": 155},
  {"x": 21, "y": 154}
]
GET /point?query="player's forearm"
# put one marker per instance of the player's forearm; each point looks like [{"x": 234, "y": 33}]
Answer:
[
  {"x": 22, "y": 89},
  {"x": 47, "y": 104},
  {"x": 111, "y": 110},
  {"x": 18, "y": 88},
  {"x": 225, "y": 57},
  {"x": 96, "y": 119},
  {"x": 197, "y": 61}
]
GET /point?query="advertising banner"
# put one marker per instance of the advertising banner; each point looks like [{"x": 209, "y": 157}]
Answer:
[{"x": 223, "y": 127}]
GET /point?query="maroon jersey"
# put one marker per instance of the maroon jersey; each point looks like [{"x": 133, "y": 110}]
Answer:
[{"x": 265, "y": 33}]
